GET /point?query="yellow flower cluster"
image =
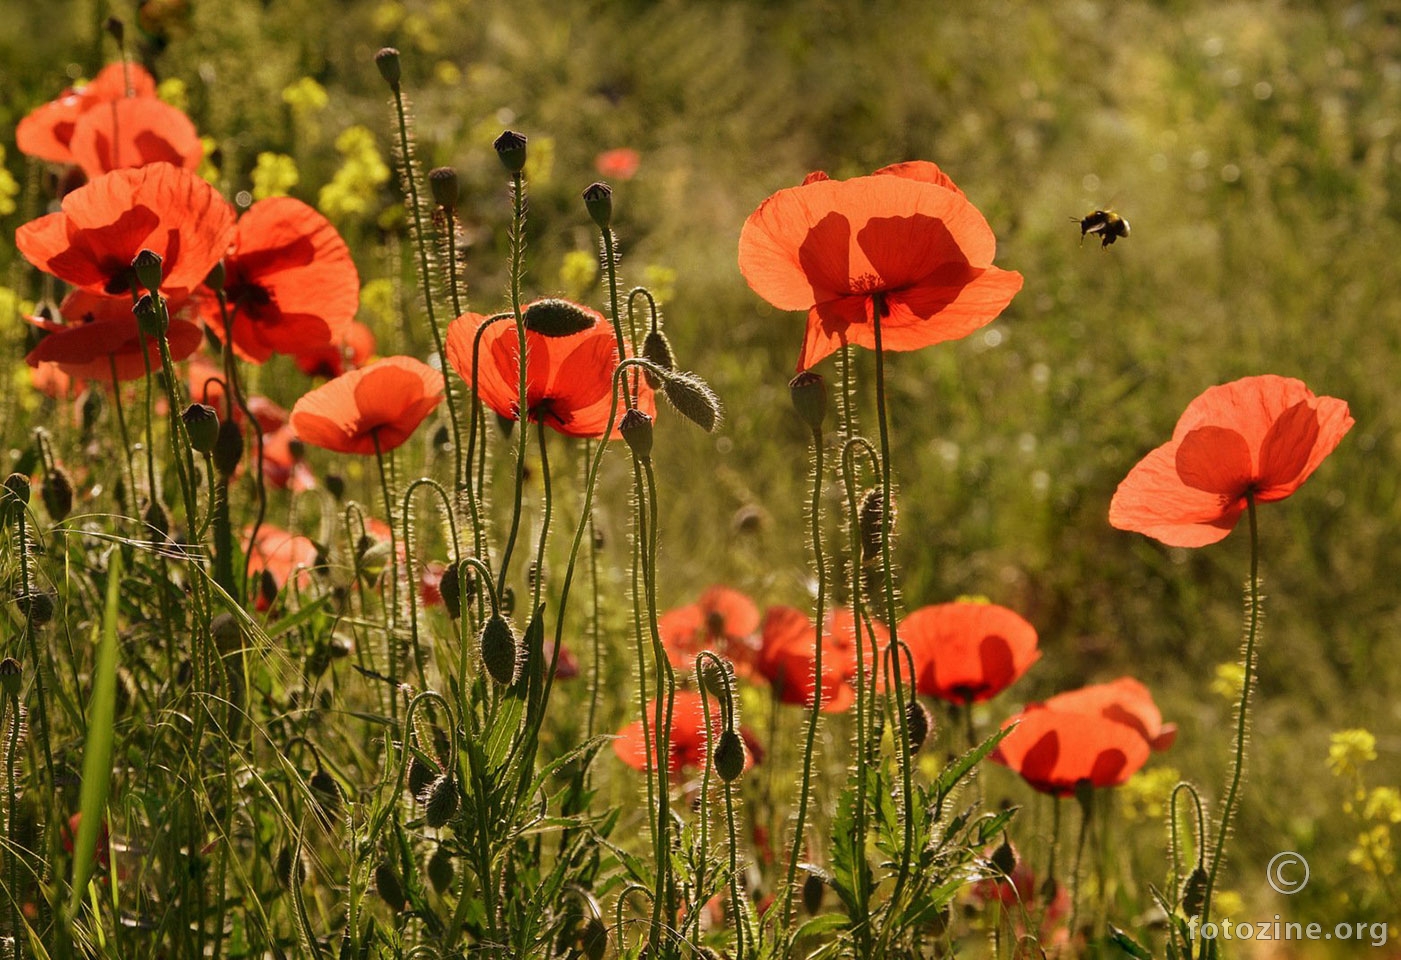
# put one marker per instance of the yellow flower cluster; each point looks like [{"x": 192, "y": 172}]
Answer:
[
  {"x": 9, "y": 189},
  {"x": 1348, "y": 750},
  {"x": 1146, "y": 794},
  {"x": 355, "y": 186},
  {"x": 274, "y": 175},
  {"x": 1229, "y": 679}
]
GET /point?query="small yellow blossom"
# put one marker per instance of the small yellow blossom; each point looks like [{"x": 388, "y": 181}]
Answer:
[
  {"x": 274, "y": 175},
  {"x": 355, "y": 186},
  {"x": 305, "y": 96},
  {"x": 1227, "y": 903},
  {"x": 378, "y": 300},
  {"x": 9, "y": 189},
  {"x": 1348, "y": 750},
  {"x": 1373, "y": 852},
  {"x": 208, "y": 171},
  {"x": 1383, "y": 803},
  {"x": 1146, "y": 794},
  {"x": 1230, "y": 678},
  {"x": 174, "y": 92},
  {"x": 577, "y": 273}
]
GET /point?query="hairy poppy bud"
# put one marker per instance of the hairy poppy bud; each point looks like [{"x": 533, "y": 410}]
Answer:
[
  {"x": 57, "y": 493},
  {"x": 228, "y": 448},
  {"x": 11, "y": 674},
  {"x": 809, "y": 393},
  {"x": 729, "y": 756},
  {"x": 871, "y": 522},
  {"x": 917, "y": 724},
  {"x": 657, "y": 348},
  {"x": 225, "y": 631},
  {"x": 91, "y": 410},
  {"x": 443, "y": 182},
  {"x": 501, "y": 653},
  {"x": 1194, "y": 892},
  {"x": 387, "y": 59},
  {"x": 291, "y": 868},
  {"x": 157, "y": 519},
  {"x": 38, "y": 608},
  {"x": 14, "y": 497},
  {"x": 510, "y": 147},
  {"x": 1004, "y": 858},
  {"x": 693, "y": 399},
  {"x": 202, "y": 424},
  {"x": 556, "y": 318},
  {"x": 214, "y": 280},
  {"x": 636, "y": 428},
  {"x": 454, "y": 591},
  {"x": 421, "y": 774},
  {"x": 440, "y": 801},
  {"x": 593, "y": 940},
  {"x": 387, "y": 885},
  {"x": 116, "y": 29},
  {"x": 440, "y": 869},
  {"x": 326, "y": 791},
  {"x": 813, "y": 890},
  {"x": 147, "y": 267},
  {"x": 598, "y": 201}
]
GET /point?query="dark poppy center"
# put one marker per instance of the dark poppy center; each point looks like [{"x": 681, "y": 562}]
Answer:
[{"x": 250, "y": 298}]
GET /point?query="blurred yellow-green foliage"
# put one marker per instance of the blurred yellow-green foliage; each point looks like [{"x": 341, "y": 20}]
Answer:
[{"x": 1255, "y": 147}]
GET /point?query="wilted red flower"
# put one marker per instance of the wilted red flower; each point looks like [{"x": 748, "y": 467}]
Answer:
[
  {"x": 350, "y": 351},
  {"x": 100, "y": 331},
  {"x": 104, "y": 224},
  {"x": 569, "y": 380},
  {"x": 1097, "y": 735},
  {"x": 722, "y": 620},
  {"x": 965, "y": 652},
  {"x": 280, "y": 553},
  {"x": 289, "y": 280},
  {"x": 134, "y": 132},
  {"x": 688, "y": 743},
  {"x": 618, "y": 164},
  {"x": 1259, "y": 437},
  {"x": 47, "y": 131},
  {"x": 1124, "y": 700},
  {"x": 904, "y": 235},
  {"x": 787, "y": 657},
  {"x": 375, "y": 407}
]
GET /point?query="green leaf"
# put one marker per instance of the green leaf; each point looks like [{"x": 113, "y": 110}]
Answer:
[
  {"x": 1128, "y": 944},
  {"x": 97, "y": 749},
  {"x": 817, "y": 926},
  {"x": 956, "y": 771}
]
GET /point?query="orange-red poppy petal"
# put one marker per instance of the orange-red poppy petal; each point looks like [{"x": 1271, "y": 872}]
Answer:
[
  {"x": 967, "y": 652},
  {"x": 1054, "y": 751},
  {"x": 1153, "y": 500},
  {"x": 1214, "y": 460},
  {"x": 378, "y": 406},
  {"x": 134, "y": 132}
]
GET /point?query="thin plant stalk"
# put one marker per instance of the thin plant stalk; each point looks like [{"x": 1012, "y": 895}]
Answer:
[
  {"x": 522, "y": 408},
  {"x": 392, "y": 616}
]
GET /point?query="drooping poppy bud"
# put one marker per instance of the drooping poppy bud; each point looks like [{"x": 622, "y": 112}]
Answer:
[
  {"x": 917, "y": 724},
  {"x": 38, "y": 608},
  {"x": 871, "y": 522},
  {"x": 421, "y": 774},
  {"x": 636, "y": 428},
  {"x": 440, "y": 871},
  {"x": 11, "y": 675},
  {"x": 387, "y": 59},
  {"x": 693, "y": 399},
  {"x": 657, "y": 348},
  {"x": 387, "y": 885},
  {"x": 813, "y": 890},
  {"x": 441, "y": 801},
  {"x": 57, "y": 493},
  {"x": 729, "y": 756},
  {"x": 228, "y": 448}
]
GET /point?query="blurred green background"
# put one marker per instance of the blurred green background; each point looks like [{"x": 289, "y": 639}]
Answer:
[{"x": 1254, "y": 147}]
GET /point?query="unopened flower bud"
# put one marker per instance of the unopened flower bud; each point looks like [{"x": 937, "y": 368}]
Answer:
[
  {"x": 228, "y": 448},
  {"x": 441, "y": 802},
  {"x": 387, "y": 885},
  {"x": 147, "y": 267},
  {"x": 38, "y": 608},
  {"x": 657, "y": 348},
  {"x": 729, "y": 756},
  {"x": 326, "y": 791},
  {"x": 501, "y": 652},
  {"x": 11, "y": 675},
  {"x": 809, "y": 393},
  {"x": 917, "y": 724},
  {"x": 693, "y": 399},
  {"x": 510, "y": 147},
  {"x": 1194, "y": 892},
  {"x": 157, "y": 519},
  {"x": 1004, "y": 858},
  {"x": 440, "y": 869},
  {"x": 872, "y": 524},
  {"x": 593, "y": 941},
  {"x": 57, "y": 493},
  {"x": 214, "y": 280},
  {"x": 116, "y": 29},
  {"x": 813, "y": 890},
  {"x": 443, "y": 182},
  {"x": 556, "y": 318},
  {"x": 636, "y": 428},
  {"x": 421, "y": 774},
  {"x": 598, "y": 201},
  {"x": 387, "y": 59},
  {"x": 202, "y": 425}
]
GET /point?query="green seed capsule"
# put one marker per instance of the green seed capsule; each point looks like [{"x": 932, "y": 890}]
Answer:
[{"x": 501, "y": 653}]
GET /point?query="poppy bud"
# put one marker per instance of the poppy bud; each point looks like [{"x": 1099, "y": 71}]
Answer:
[
  {"x": 636, "y": 428},
  {"x": 214, "y": 280},
  {"x": 335, "y": 486},
  {"x": 1194, "y": 892},
  {"x": 14, "y": 497},
  {"x": 291, "y": 868},
  {"x": 443, "y": 182},
  {"x": 38, "y": 608},
  {"x": 91, "y": 410},
  {"x": 387, "y": 59},
  {"x": 693, "y": 399},
  {"x": 556, "y": 318},
  {"x": 421, "y": 774},
  {"x": 917, "y": 724},
  {"x": 387, "y": 885},
  {"x": 157, "y": 519},
  {"x": 326, "y": 791},
  {"x": 228, "y": 448},
  {"x": 440, "y": 869},
  {"x": 593, "y": 940},
  {"x": 147, "y": 267},
  {"x": 148, "y": 316},
  {"x": 202, "y": 424},
  {"x": 507, "y": 424},
  {"x": 225, "y": 631},
  {"x": 267, "y": 595},
  {"x": 870, "y": 520},
  {"x": 729, "y": 756},
  {"x": 510, "y": 147},
  {"x": 717, "y": 679},
  {"x": 441, "y": 801},
  {"x": 373, "y": 560},
  {"x": 11, "y": 673},
  {"x": 1004, "y": 858},
  {"x": 657, "y": 348},
  {"x": 57, "y": 493},
  {"x": 115, "y": 28},
  {"x": 809, "y": 393},
  {"x": 598, "y": 201},
  {"x": 501, "y": 653},
  {"x": 813, "y": 889},
  {"x": 454, "y": 591}
]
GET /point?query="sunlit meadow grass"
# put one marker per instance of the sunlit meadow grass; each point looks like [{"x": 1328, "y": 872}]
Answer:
[{"x": 1253, "y": 148}]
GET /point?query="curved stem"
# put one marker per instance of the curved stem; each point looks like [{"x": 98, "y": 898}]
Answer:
[
  {"x": 408, "y": 557},
  {"x": 522, "y": 400}
]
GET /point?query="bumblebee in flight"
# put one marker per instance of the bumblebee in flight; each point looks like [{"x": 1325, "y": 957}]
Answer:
[{"x": 1106, "y": 223}]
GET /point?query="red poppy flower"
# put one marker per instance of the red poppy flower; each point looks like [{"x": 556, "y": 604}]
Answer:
[
  {"x": 47, "y": 131},
  {"x": 688, "y": 744},
  {"x": 50, "y": 379},
  {"x": 350, "y": 351},
  {"x": 618, "y": 164},
  {"x": 905, "y": 235},
  {"x": 283, "y": 466},
  {"x": 386, "y": 400},
  {"x": 722, "y": 620},
  {"x": 289, "y": 280},
  {"x": 1125, "y": 701},
  {"x": 134, "y": 132},
  {"x": 1260, "y": 436},
  {"x": 99, "y": 331},
  {"x": 281, "y": 554},
  {"x": 569, "y": 380},
  {"x": 787, "y": 656},
  {"x": 966, "y": 652},
  {"x": 104, "y": 224}
]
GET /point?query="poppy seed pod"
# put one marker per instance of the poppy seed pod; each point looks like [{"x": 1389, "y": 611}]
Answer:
[
  {"x": 510, "y": 147},
  {"x": 636, "y": 428},
  {"x": 147, "y": 267},
  {"x": 501, "y": 653},
  {"x": 598, "y": 201},
  {"x": 693, "y": 399},
  {"x": 387, "y": 885},
  {"x": 809, "y": 393},
  {"x": 1004, "y": 858},
  {"x": 917, "y": 724},
  {"x": 813, "y": 890},
  {"x": 557, "y": 318},
  {"x": 38, "y": 608},
  {"x": 326, "y": 791},
  {"x": 657, "y": 348},
  {"x": 443, "y": 182},
  {"x": 151, "y": 320},
  {"x": 202, "y": 424},
  {"x": 387, "y": 59},
  {"x": 440, "y": 800},
  {"x": 871, "y": 522},
  {"x": 214, "y": 280},
  {"x": 57, "y": 493},
  {"x": 440, "y": 869},
  {"x": 228, "y": 448},
  {"x": 11, "y": 674},
  {"x": 729, "y": 756}
]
